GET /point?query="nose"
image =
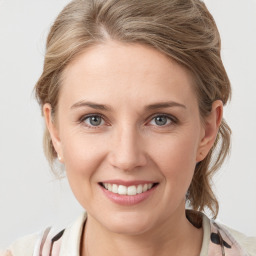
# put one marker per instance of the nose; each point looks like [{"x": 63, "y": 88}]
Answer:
[{"x": 127, "y": 152}]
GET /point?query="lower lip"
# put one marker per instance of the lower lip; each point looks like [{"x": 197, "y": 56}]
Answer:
[{"x": 128, "y": 200}]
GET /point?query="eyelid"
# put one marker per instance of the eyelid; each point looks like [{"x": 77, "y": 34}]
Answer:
[
  {"x": 86, "y": 116},
  {"x": 173, "y": 119},
  {"x": 81, "y": 120}
]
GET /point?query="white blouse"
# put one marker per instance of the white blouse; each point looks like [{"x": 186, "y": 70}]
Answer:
[{"x": 218, "y": 240}]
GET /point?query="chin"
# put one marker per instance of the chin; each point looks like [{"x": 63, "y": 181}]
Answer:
[{"x": 128, "y": 223}]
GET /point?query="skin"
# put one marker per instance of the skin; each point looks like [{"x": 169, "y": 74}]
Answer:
[{"x": 129, "y": 144}]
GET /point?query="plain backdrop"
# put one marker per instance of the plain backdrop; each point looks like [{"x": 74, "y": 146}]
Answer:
[{"x": 31, "y": 198}]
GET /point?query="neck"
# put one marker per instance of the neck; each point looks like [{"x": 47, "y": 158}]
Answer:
[{"x": 176, "y": 236}]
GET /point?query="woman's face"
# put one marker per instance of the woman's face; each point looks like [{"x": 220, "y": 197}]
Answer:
[{"x": 128, "y": 120}]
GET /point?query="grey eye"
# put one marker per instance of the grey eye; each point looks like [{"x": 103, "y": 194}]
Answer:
[
  {"x": 94, "y": 120},
  {"x": 161, "y": 120}
]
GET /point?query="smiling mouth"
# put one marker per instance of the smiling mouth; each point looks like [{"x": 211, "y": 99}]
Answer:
[{"x": 128, "y": 190}]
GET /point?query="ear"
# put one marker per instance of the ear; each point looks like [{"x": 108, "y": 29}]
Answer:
[
  {"x": 210, "y": 130},
  {"x": 53, "y": 130}
]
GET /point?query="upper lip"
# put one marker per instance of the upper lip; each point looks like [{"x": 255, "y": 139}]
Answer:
[{"x": 128, "y": 183}]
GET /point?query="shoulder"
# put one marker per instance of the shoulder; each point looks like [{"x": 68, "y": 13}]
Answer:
[
  {"x": 49, "y": 241},
  {"x": 246, "y": 242},
  {"x": 232, "y": 240},
  {"x": 41, "y": 243},
  {"x": 222, "y": 240},
  {"x": 22, "y": 246}
]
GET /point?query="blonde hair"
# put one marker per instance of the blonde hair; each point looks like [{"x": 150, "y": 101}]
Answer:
[{"x": 184, "y": 30}]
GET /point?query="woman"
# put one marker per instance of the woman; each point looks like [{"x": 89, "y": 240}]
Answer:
[{"x": 132, "y": 93}]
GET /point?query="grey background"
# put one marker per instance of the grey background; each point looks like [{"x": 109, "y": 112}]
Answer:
[{"x": 31, "y": 198}]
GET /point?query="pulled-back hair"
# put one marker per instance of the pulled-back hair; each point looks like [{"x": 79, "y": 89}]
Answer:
[{"x": 183, "y": 30}]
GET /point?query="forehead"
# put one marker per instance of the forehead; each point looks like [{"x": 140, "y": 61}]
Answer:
[{"x": 127, "y": 72}]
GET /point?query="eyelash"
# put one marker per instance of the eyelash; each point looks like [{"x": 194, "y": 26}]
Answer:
[
  {"x": 171, "y": 118},
  {"x": 82, "y": 120}
]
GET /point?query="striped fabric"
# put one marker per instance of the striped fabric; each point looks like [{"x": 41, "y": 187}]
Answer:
[{"x": 48, "y": 244}]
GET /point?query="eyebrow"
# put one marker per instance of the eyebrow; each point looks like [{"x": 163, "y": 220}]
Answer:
[
  {"x": 81, "y": 104},
  {"x": 157, "y": 105},
  {"x": 167, "y": 104}
]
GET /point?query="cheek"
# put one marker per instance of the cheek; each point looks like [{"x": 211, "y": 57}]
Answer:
[
  {"x": 176, "y": 158},
  {"x": 82, "y": 153},
  {"x": 82, "y": 157}
]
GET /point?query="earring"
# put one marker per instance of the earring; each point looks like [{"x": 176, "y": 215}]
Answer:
[{"x": 59, "y": 157}]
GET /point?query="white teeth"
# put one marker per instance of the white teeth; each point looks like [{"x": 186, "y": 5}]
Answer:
[
  {"x": 130, "y": 191},
  {"x": 122, "y": 190},
  {"x": 115, "y": 188},
  {"x": 139, "y": 189}
]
